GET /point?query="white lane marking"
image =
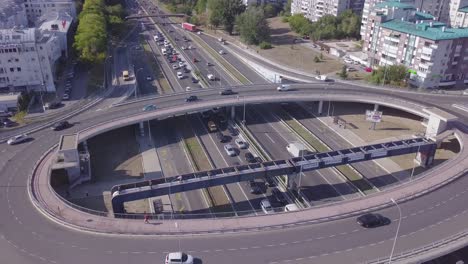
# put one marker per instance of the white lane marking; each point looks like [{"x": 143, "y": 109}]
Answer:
[{"x": 269, "y": 137}]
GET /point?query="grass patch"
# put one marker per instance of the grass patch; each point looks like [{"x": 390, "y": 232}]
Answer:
[
  {"x": 197, "y": 153},
  {"x": 355, "y": 178},
  {"x": 19, "y": 117},
  {"x": 96, "y": 78},
  {"x": 221, "y": 60}
]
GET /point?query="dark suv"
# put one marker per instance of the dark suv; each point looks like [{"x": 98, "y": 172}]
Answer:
[
  {"x": 372, "y": 220},
  {"x": 227, "y": 92},
  {"x": 221, "y": 137}
]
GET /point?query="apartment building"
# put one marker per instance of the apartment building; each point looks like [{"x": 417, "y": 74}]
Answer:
[
  {"x": 450, "y": 12},
  {"x": 28, "y": 57},
  {"x": 436, "y": 55},
  {"x": 315, "y": 9},
  {"x": 461, "y": 19},
  {"x": 261, "y": 2}
]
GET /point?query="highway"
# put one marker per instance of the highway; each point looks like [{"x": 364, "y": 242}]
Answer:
[{"x": 27, "y": 236}]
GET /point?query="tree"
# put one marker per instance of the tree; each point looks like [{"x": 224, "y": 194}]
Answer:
[
  {"x": 394, "y": 74},
  {"x": 287, "y": 8},
  {"x": 253, "y": 26},
  {"x": 344, "y": 72},
  {"x": 316, "y": 59},
  {"x": 270, "y": 10},
  {"x": 224, "y": 12}
]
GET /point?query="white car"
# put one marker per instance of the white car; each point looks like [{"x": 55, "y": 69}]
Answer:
[
  {"x": 283, "y": 88},
  {"x": 211, "y": 77},
  {"x": 66, "y": 97},
  {"x": 180, "y": 75},
  {"x": 17, "y": 139},
  {"x": 241, "y": 143},
  {"x": 348, "y": 60},
  {"x": 230, "y": 150},
  {"x": 181, "y": 64},
  {"x": 178, "y": 258},
  {"x": 189, "y": 47},
  {"x": 266, "y": 206},
  {"x": 188, "y": 89},
  {"x": 183, "y": 48},
  {"x": 222, "y": 52}
]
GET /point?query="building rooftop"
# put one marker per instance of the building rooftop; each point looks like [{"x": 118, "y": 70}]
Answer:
[
  {"x": 16, "y": 36},
  {"x": 438, "y": 30},
  {"x": 9, "y": 97},
  {"x": 463, "y": 9},
  {"x": 423, "y": 16},
  {"x": 55, "y": 21},
  {"x": 396, "y": 4}
]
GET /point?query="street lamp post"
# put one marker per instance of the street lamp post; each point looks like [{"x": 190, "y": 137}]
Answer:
[{"x": 398, "y": 230}]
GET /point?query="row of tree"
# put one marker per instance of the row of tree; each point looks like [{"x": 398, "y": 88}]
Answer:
[
  {"x": 346, "y": 25},
  {"x": 95, "y": 21}
]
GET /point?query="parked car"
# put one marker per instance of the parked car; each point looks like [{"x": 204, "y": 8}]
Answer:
[
  {"x": 18, "y": 139},
  {"x": 180, "y": 75},
  {"x": 181, "y": 64},
  {"x": 222, "y": 52},
  {"x": 249, "y": 157},
  {"x": 60, "y": 125},
  {"x": 185, "y": 70},
  {"x": 232, "y": 131},
  {"x": 178, "y": 258},
  {"x": 194, "y": 80},
  {"x": 6, "y": 122},
  {"x": 230, "y": 150},
  {"x": 52, "y": 105},
  {"x": 270, "y": 181},
  {"x": 66, "y": 97},
  {"x": 149, "y": 78},
  {"x": 175, "y": 67},
  {"x": 191, "y": 98},
  {"x": 241, "y": 143},
  {"x": 150, "y": 107},
  {"x": 188, "y": 89},
  {"x": 372, "y": 220}
]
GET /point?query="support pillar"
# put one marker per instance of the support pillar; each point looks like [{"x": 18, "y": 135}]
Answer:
[
  {"x": 233, "y": 112},
  {"x": 320, "y": 108},
  {"x": 142, "y": 129},
  {"x": 426, "y": 158},
  {"x": 376, "y": 107},
  {"x": 291, "y": 181}
]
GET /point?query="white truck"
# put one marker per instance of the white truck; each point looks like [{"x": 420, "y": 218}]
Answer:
[
  {"x": 296, "y": 149},
  {"x": 321, "y": 77},
  {"x": 211, "y": 77}
]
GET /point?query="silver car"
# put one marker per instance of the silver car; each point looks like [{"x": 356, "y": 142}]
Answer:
[{"x": 230, "y": 150}]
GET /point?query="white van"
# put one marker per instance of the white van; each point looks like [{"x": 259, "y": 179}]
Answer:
[
  {"x": 284, "y": 88},
  {"x": 266, "y": 206},
  {"x": 291, "y": 207},
  {"x": 164, "y": 52}
]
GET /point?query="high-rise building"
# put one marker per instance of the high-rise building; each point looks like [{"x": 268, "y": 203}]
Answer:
[
  {"x": 435, "y": 54},
  {"x": 315, "y": 9}
]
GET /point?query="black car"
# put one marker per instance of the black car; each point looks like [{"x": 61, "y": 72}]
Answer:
[
  {"x": 194, "y": 80},
  {"x": 185, "y": 70},
  {"x": 227, "y": 92},
  {"x": 222, "y": 138},
  {"x": 191, "y": 98},
  {"x": 250, "y": 158},
  {"x": 278, "y": 196},
  {"x": 372, "y": 220},
  {"x": 232, "y": 131},
  {"x": 7, "y": 122},
  {"x": 255, "y": 187},
  {"x": 270, "y": 182},
  {"x": 60, "y": 125}
]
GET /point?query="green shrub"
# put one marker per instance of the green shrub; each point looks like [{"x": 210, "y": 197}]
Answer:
[{"x": 265, "y": 45}]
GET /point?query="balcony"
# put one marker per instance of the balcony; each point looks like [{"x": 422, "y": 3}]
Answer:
[
  {"x": 392, "y": 39},
  {"x": 447, "y": 83},
  {"x": 428, "y": 51},
  {"x": 427, "y": 57},
  {"x": 390, "y": 50}
]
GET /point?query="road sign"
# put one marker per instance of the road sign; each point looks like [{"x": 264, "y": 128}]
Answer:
[{"x": 374, "y": 116}]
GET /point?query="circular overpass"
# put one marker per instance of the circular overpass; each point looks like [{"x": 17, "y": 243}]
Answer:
[{"x": 29, "y": 238}]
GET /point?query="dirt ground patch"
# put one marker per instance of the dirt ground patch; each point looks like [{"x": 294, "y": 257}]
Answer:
[
  {"x": 395, "y": 125},
  {"x": 297, "y": 56}
]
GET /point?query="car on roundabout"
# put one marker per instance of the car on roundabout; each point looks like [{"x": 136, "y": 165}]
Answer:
[
  {"x": 191, "y": 98},
  {"x": 18, "y": 139},
  {"x": 371, "y": 220},
  {"x": 60, "y": 125},
  {"x": 150, "y": 107},
  {"x": 178, "y": 258}
]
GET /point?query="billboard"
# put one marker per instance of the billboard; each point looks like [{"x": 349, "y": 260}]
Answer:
[{"x": 374, "y": 116}]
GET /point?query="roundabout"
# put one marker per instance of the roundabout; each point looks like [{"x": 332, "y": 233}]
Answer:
[{"x": 323, "y": 234}]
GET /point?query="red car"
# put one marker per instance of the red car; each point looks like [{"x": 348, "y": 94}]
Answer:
[{"x": 368, "y": 69}]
